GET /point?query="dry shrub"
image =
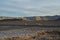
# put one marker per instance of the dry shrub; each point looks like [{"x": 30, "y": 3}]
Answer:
[
  {"x": 25, "y": 37},
  {"x": 29, "y": 36}
]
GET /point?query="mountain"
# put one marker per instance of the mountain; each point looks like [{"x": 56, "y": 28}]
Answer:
[
  {"x": 56, "y": 16},
  {"x": 34, "y": 18}
]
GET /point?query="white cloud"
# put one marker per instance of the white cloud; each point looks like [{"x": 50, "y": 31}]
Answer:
[{"x": 31, "y": 7}]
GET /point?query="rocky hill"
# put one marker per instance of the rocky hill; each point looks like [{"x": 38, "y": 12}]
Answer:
[{"x": 36, "y": 20}]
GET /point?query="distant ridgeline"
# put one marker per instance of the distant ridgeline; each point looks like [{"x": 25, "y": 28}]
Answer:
[{"x": 36, "y": 20}]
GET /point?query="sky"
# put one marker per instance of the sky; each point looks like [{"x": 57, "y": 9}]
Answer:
[{"x": 17, "y": 8}]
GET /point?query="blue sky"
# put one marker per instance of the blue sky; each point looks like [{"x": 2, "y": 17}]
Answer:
[{"x": 29, "y": 7}]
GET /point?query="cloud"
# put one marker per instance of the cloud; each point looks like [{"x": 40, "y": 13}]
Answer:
[{"x": 29, "y": 7}]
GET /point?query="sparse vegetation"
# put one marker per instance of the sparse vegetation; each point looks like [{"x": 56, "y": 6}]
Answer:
[
  {"x": 37, "y": 36},
  {"x": 38, "y": 18},
  {"x": 45, "y": 19},
  {"x": 6, "y": 24}
]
